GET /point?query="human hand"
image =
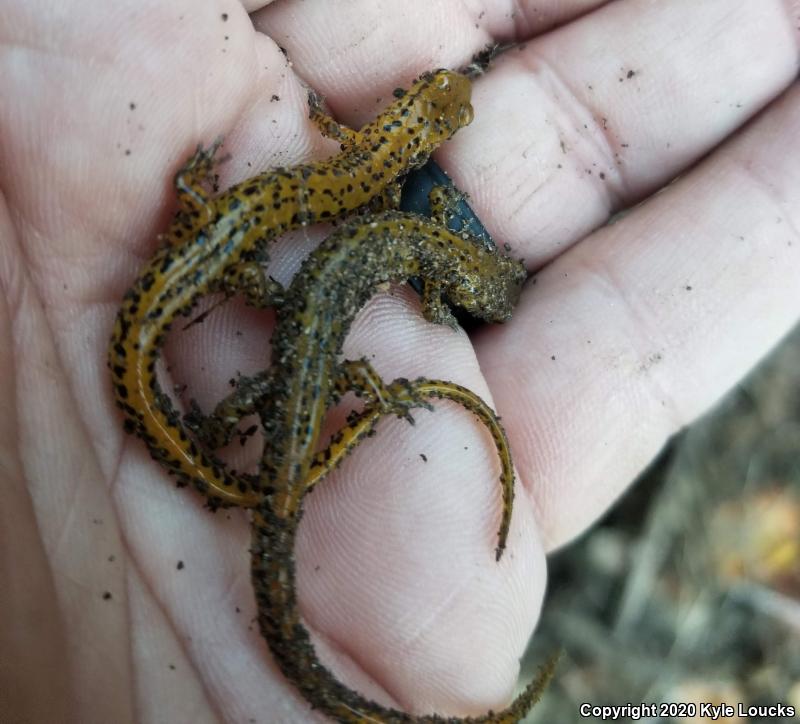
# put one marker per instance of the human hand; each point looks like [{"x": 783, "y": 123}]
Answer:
[{"x": 649, "y": 321}]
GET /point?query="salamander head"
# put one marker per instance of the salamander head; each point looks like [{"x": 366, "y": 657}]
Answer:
[
  {"x": 443, "y": 97},
  {"x": 491, "y": 293}
]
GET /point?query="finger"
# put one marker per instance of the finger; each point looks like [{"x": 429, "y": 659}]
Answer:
[
  {"x": 645, "y": 324},
  {"x": 332, "y": 45}
]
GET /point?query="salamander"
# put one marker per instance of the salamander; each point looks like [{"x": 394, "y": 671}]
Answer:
[
  {"x": 304, "y": 379},
  {"x": 215, "y": 244}
]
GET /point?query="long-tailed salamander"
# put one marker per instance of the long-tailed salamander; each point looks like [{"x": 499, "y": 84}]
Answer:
[
  {"x": 303, "y": 381},
  {"x": 213, "y": 242}
]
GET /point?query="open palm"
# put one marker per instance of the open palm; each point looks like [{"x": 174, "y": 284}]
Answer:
[{"x": 123, "y": 599}]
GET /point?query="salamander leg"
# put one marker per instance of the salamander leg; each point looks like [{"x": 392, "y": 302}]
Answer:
[
  {"x": 190, "y": 185},
  {"x": 327, "y": 126},
  {"x": 219, "y": 428},
  {"x": 249, "y": 279},
  {"x": 359, "y": 376},
  {"x": 387, "y": 200},
  {"x": 397, "y": 398},
  {"x": 444, "y": 201},
  {"x": 433, "y": 308}
]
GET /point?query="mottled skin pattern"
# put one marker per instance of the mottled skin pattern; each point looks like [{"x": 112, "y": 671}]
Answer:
[
  {"x": 306, "y": 378},
  {"x": 212, "y": 243},
  {"x": 295, "y": 393}
]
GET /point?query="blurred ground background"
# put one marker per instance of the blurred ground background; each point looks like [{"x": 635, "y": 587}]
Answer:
[{"x": 689, "y": 589}]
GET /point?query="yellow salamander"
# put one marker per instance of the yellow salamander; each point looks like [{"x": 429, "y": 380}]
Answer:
[{"x": 213, "y": 243}]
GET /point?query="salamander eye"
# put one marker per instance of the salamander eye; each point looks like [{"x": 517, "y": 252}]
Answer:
[
  {"x": 442, "y": 81},
  {"x": 465, "y": 115}
]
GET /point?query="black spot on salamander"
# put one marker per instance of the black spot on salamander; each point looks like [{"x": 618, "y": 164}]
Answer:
[
  {"x": 251, "y": 190},
  {"x": 122, "y": 391},
  {"x": 234, "y": 203},
  {"x": 166, "y": 264},
  {"x": 120, "y": 350}
]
